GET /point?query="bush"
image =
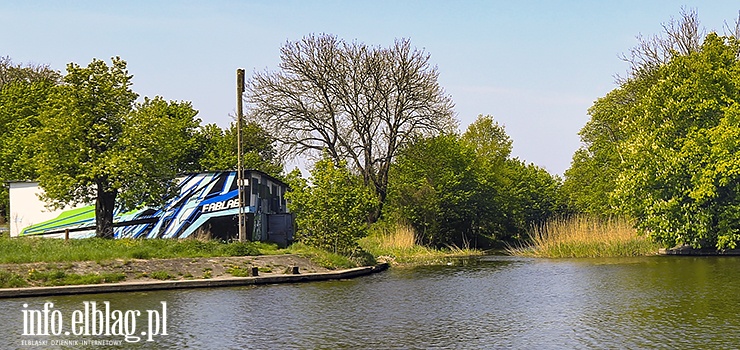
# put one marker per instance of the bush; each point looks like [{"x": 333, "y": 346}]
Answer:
[{"x": 333, "y": 213}]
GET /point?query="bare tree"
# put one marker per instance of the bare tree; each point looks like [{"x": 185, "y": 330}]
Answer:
[
  {"x": 680, "y": 37},
  {"x": 357, "y": 103},
  {"x": 10, "y": 72}
]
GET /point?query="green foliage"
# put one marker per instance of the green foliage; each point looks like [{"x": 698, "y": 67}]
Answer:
[
  {"x": 434, "y": 189},
  {"x": 57, "y": 277},
  {"x": 160, "y": 275},
  {"x": 238, "y": 271},
  {"x": 23, "y": 92},
  {"x": 95, "y": 145},
  {"x": 662, "y": 148},
  {"x": 458, "y": 190},
  {"x": 332, "y": 212},
  {"x": 682, "y": 184},
  {"x": 220, "y": 150},
  {"x": 492, "y": 144}
]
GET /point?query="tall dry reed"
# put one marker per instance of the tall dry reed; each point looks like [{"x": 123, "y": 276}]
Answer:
[
  {"x": 397, "y": 243},
  {"x": 586, "y": 236}
]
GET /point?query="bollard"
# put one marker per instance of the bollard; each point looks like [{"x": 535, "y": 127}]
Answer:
[
  {"x": 255, "y": 271},
  {"x": 294, "y": 270}
]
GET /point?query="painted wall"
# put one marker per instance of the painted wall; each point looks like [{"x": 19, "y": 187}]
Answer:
[
  {"x": 207, "y": 204},
  {"x": 26, "y": 208}
]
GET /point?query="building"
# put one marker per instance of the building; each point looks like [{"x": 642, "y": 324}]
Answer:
[{"x": 207, "y": 206}]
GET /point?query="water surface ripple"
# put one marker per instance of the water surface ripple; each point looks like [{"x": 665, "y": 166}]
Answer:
[{"x": 488, "y": 303}]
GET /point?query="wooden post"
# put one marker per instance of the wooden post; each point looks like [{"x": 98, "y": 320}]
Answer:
[
  {"x": 239, "y": 166},
  {"x": 66, "y": 234}
]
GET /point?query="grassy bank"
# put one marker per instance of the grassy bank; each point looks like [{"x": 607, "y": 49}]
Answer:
[
  {"x": 31, "y": 249},
  {"x": 581, "y": 237},
  {"x": 397, "y": 245},
  {"x": 54, "y": 262}
]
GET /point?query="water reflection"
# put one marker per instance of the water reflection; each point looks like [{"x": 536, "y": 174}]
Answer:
[{"x": 492, "y": 302}]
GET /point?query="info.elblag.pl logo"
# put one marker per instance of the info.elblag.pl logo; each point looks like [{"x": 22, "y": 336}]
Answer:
[{"x": 94, "y": 319}]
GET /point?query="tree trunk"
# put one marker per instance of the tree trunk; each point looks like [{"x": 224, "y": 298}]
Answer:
[{"x": 104, "y": 205}]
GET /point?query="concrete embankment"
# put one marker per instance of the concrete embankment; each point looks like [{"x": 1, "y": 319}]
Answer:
[
  {"x": 200, "y": 283},
  {"x": 689, "y": 251}
]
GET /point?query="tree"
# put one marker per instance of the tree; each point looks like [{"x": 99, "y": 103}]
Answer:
[
  {"x": 95, "y": 145},
  {"x": 23, "y": 92},
  {"x": 13, "y": 73},
  {"x": 492, "y": 148},
  {"x": 456, "y": 189},
  {"x": 358, "y": 103},
  {"x": 680, "y": 37},
  {"x": 682, "y": 181},
  {"x": 533, "y": 196},
  {"x": 332, "y": 213},
  {"x": 661, "y": 147},
  {"x": 258, "y": 150},
  {"x": 592, "y": 178},
  {"x": 434, "y": 189}
]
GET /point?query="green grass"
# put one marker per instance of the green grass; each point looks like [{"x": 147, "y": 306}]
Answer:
[
  {"x": 237, "y": 271},
  {"x": 12, "y": 280},
  {"x": 62, "y": 278},
  {"x": 322, "y": 257},
  {"x": 397, "y": 244},
  {"x": 586, "y": 237},
  {"x": 160, "y": 275},
  {"x": 34, "y": 249}
]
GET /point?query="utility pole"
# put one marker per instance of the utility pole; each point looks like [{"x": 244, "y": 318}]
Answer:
[{"x": 240, "y": 166}]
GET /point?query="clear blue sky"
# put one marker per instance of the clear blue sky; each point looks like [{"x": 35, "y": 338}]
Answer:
[{"x": 536, "y": 66}]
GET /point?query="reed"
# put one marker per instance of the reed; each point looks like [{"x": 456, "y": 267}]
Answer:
[
  {"x": 586, "y": 236},
  {"x": 397, "y": 243}
]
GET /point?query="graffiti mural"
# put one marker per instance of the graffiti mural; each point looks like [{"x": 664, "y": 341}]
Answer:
[{"x": 207, "y": 204}]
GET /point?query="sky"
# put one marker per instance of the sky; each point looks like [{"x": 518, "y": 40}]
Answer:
[{"x": 535, "y": 66}]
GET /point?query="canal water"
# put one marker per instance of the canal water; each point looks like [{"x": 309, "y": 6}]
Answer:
[{"x": 486, "y": 303}]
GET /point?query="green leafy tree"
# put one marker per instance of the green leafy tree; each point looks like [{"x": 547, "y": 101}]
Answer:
[
  {"x": 492, "y": 150},
  {"x": 95, "y": 145},
  {"x": 533, "y": 196},
  {"x": 23, "y": 91},
  {"x": 11, "y": 72},
  {"x": 661, "y": 147},
  {"x": 332, "y": 212},
  {"x": 682, "y": 180},
  {"x": 460, "y": 189},
  {"x": 434, "y": 188},
  {"x": 591, "y": 180},
  {"x": 259, "y": 152}
]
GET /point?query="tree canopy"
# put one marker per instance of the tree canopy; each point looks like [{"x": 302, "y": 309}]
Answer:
[
  {"x": 220, "y": 149},
  {"x": 23, "y": 92},
  {"x": 662, "y": 147},
  {"x": 465, "y": 189},
  {"x": 94, "y": 143}
]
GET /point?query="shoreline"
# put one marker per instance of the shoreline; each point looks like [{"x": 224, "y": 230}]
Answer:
[{"x": 195, "y": 283}]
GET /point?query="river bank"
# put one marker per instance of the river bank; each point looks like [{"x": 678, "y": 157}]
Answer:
[{"x": 154, "y": 274}]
